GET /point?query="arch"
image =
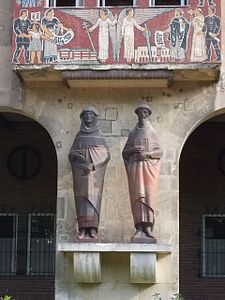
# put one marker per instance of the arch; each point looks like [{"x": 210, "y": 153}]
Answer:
[
  {"x": 201, "y": 209},
  {"x": 197, "y": 124},
  {"x": 28, "y": 189},
  {"x": 7, "y": 109}
]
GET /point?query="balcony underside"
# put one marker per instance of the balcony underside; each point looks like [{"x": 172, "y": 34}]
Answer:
[{"x": 154, "y": 76}]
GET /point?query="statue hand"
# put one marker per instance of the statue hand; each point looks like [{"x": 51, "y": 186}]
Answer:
[
  {"x": 88, "y": 168},
  {"x": 138, "y": 149},
  {"x": 79, "y": 157},
  {"x": 144, "y": 155}
]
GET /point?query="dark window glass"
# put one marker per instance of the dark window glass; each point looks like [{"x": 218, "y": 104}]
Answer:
[
  {"x": 65, "y": 2},
  {"x": 171, "y": 2},
  {"x": 7, "y": 244},
  {"x": 41, "y": 248},
  {"x": 118, "y": 2},
  {"x": 214, "y": 246}
]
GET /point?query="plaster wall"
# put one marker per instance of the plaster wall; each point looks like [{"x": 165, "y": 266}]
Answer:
[{"x": 175, "y": 113}]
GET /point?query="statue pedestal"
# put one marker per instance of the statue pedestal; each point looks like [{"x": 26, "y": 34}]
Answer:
[{"x": 87, "y": 260}]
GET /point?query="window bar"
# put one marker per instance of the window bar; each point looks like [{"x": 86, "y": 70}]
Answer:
[{"x": 8, "y": 246}]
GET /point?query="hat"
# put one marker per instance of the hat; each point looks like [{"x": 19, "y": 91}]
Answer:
[
  {"x": 89, "y": 108},
  {"x": 144, "y": 106}
]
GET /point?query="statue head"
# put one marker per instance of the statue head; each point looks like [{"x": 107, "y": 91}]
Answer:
[
  {"x": 143, "y": 112},
  {"x": 89, "y": 116}
]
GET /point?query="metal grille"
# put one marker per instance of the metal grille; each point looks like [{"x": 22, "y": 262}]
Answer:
[
  {"x": 7, "y": 244},
  {"x": 41, "y": 244},
  {"x": 214, "y": 245}
]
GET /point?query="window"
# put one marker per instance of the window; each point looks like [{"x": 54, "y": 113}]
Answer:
[
  {"x": 7, "y": 244},
  {"x": 116, "y": 2},
  {"x": 168, "y": 3},
  {"x": 213, "y": 245},
  {"x": 61, "y": 3},
  {"x": 24, "y": 162},
  {"x": 41, "y": 244}
]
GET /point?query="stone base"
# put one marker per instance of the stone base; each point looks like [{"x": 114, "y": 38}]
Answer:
[
  {"x": 87, "y": 267},
  {"x": 88, "y": 240},
  {"x": 142, "y": 240}
]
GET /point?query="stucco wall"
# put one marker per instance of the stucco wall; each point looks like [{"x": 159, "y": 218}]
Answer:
[{"x": 175, "y": 113}]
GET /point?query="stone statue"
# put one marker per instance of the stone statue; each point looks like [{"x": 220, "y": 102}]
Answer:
[
  {"x": 142, "y": 157},
  {"x": 88, "y": 156}
]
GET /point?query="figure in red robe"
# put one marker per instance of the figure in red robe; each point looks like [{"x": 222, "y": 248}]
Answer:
[{"x": 142, "y": 157}]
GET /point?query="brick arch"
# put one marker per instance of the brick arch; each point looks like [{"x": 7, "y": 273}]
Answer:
[{"x": 27, "y": 209}]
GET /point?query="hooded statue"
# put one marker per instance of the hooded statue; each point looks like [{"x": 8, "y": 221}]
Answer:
[
  {"x": 88, "y": 156},
  {"x": 142, "y": 157}
]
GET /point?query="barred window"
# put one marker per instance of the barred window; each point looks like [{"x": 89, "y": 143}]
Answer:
[
  {"x": 8, "y": 244},
  {"x": 213, "y": 245},
  {"x": 41, "y": 244},
  {"x": 168, "y": 3}
]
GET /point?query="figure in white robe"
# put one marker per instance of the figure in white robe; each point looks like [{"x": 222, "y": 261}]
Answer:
[
  {"x": 103, "y": 36},
  {"x": 198, "y": 47},
  {"x": 128, "y": 25}
]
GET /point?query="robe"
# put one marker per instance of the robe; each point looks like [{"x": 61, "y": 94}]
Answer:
[
  {"x": 142, "y": 174},
  {"x": 90, "y": 143}
]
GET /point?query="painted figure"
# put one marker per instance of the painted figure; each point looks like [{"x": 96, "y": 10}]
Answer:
[
  {"x": 211, "y": 29},
  {"x": 29, "y": 3},
  {"x": 142, "y": 157},
  {"x": 198, "y": 48},
  {"x": 21, "y": 27},
  {"x": 88, "y": 156},
  {"x": 121, "y": 32},
  {"x": 36, "y": 37},
  {"x": 202, "y": 2},
  {"x": 103, "y": 36},
  {"x": 178, "y": 35},
  {"x": 51, "y": 26},
  {"x": 129, "y": 23}
]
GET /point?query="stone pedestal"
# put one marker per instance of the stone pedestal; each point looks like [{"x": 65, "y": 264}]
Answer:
[
  {"x": 87, "y": 260},
  {"x": 87, "y": 267},
  {"x": 143, "y": 267}
]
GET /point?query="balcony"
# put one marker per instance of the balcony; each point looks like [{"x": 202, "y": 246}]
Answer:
[{"x": 116, "y": 46}]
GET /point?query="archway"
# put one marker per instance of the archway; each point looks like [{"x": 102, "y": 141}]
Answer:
[
  {"x": 202, "y": 212},
  {"x": 28, "y": 184}
]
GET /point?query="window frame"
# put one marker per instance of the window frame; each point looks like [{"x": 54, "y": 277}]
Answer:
[
  {"x": 14, "y": 244},
  {"x": 52, "y": 3},
  {"x": 182, "y": 3},
  {"x": 28, "y": 264},
  {"x": 103, "y": 5},
  {"x": 203, "y": 269}
]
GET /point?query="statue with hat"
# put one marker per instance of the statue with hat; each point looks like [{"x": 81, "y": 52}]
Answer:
[
  {"x": 88, "y": 156},
  {"x": 142, "y": 158}
]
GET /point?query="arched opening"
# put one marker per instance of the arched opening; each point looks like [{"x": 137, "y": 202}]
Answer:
[
  {"x": 202, "y": 212},
  {"x": 28, "y": 185}
]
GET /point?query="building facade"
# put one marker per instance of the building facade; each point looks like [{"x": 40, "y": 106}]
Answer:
[{"x": 58, "y": 57}]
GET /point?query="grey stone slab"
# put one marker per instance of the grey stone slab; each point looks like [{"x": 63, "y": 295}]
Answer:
[{"x": 117, "y": 247}]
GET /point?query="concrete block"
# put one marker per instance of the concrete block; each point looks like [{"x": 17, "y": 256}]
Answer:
[
  {"x": 143, "y": 267},
  {"x": 105, "y": 126},
  {"x": 61, "y": 207},
  {"x": 111, "y": 114},
  {"x": 87, "y": 267}
]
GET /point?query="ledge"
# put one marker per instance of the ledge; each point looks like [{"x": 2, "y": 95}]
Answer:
[
  {"x": 90, "y": 247},
  {"x": 87, "y": 261},
  {"x": 152, "y": 75}
]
